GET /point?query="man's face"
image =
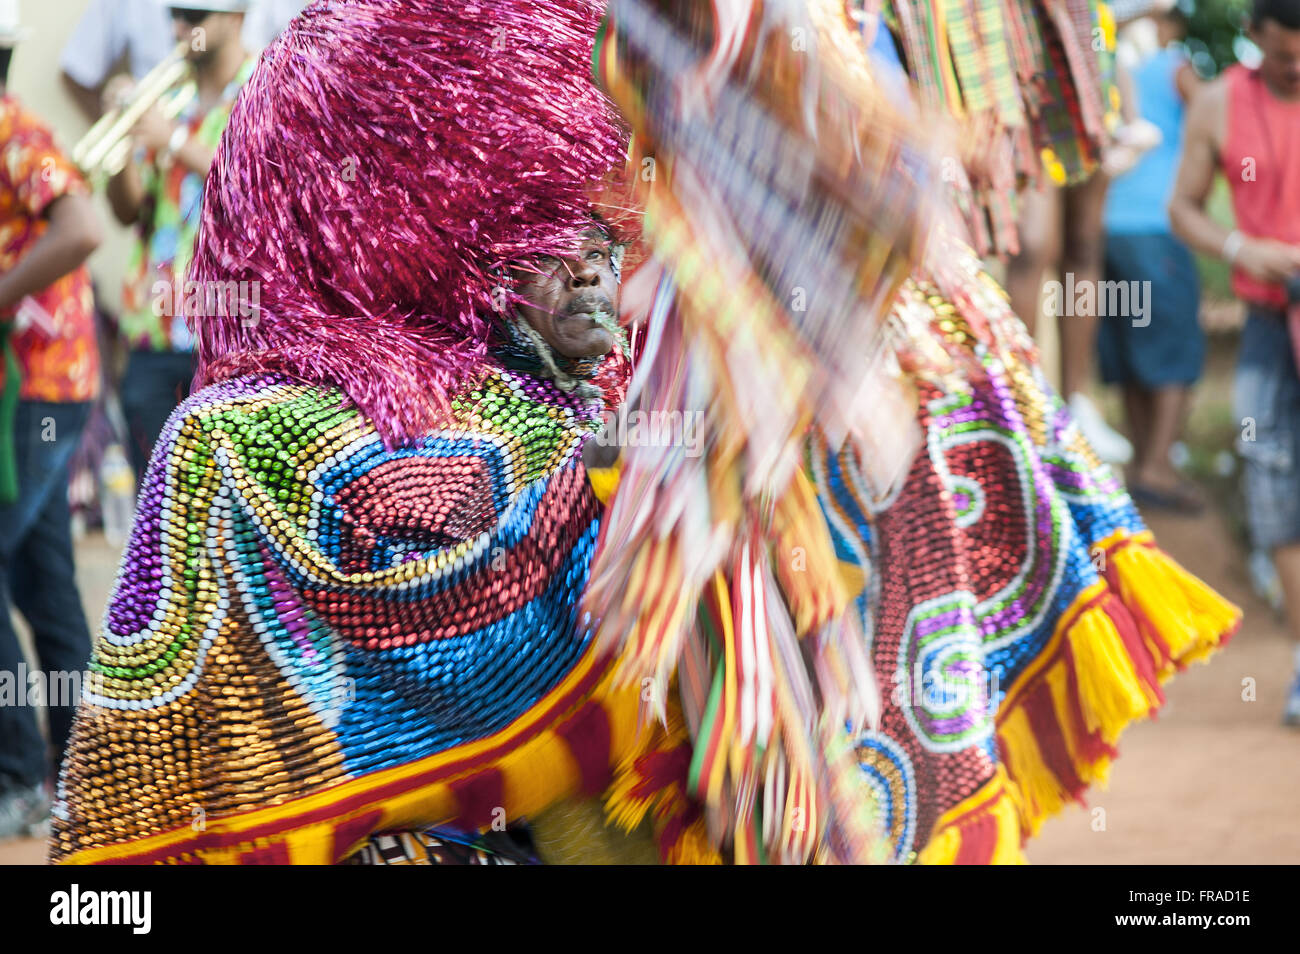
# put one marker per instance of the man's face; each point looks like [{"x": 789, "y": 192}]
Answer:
[
  {"x": 563, "y": 295},
  {"x": 1280, "y": 65},
  {"x": 217, "y": 30}
]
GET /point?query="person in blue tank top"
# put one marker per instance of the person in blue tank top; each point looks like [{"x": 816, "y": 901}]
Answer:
[{"x": 1156, "y": 355}]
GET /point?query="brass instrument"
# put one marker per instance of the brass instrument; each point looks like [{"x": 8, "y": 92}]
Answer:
[{"x": 106, "y": 147}]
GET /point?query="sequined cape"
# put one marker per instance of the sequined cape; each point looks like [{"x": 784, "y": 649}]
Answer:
[
  {"x": 314, "y": 637},
  {"x": 1020, "y": 611}
]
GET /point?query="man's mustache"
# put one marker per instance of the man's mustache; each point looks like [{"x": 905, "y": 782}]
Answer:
[{"x": 589, "y": 305}]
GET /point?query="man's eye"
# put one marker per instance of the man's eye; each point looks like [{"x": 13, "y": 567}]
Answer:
[{"x": 595, "y": 255}]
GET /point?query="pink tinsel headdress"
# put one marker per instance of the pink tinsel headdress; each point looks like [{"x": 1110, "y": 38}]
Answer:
[{"x": 386, "y": 157}]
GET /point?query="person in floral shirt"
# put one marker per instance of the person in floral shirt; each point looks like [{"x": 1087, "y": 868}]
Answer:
[
  {"x": 50, "y": 378},
  {"x": 161, "y": 192}
]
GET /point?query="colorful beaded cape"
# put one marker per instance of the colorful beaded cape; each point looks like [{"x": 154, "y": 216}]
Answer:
[
  {"x": 1021, "y": 614},
  {"x": 314, "y": 638}
]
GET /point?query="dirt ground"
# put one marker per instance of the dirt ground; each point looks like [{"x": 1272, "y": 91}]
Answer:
[{"x": 1214, "y": 780}]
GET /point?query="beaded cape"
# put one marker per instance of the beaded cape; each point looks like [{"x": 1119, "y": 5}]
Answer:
[
  {"x": 1021, "y": 615},
  {"x": 314, "y": 638}
]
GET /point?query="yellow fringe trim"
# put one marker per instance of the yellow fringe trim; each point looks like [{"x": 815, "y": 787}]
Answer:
[
  {"x": 535, "y": 775},
  {"x": 1188, "y": 616},
  {"x": 694, "y": 847},
  {"x": 1039, "y": 792},
  {"x": 604, "y": 480},
  {"x": 622, "y": 808},
  {"x": 995, "y": 798},
  {"x": 629, "y": 812},
  {"x": 803, "y": 557},
  {"x": 1111, "y": 694}
]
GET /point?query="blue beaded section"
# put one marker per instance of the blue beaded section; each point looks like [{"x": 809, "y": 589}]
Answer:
[{"x": 414, "y": 701}]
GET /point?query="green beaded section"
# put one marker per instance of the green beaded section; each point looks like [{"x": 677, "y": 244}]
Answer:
[
  {"x": 273, "y": 435},
  {"x": 265, "y": 439},
  {"x": 539, "y": 437}
]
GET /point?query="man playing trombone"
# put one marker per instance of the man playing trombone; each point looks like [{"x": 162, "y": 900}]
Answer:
[
  {"x": 136, "y": 34},
  {"x": 159, "y": 190}
]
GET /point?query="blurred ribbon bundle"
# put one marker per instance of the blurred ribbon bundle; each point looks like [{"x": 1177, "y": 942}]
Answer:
[
  {"x": 1030, "y": 87},
  {"x": 786, "y": 205}
]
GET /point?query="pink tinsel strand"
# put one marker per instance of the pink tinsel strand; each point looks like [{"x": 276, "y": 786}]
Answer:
[{"x": 386, "y": 158}]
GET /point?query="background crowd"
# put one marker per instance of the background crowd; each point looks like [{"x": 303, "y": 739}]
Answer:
[{"x": 94, "y": 368}]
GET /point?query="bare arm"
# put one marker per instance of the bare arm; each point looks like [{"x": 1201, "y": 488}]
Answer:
[
  {"x": 88, "y": 99},
  {"x": 195, "y": 156},
  {"x": 1205, "y": 118},
  {"x": 1187, "y": 83},
  {"x": 74, "y": 232},
  {"x": 1127, "y": 94},
  {"x": 126, "y": 193},
  {"x": 126, "y": 189},
  {"x": 1265, "y": 259},
  {"x": 154, "y": 132}
]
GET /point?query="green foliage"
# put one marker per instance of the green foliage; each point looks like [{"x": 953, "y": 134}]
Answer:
[
  {"x": 1215, "y": 32},
  {"x": 1216, "y": 275}
]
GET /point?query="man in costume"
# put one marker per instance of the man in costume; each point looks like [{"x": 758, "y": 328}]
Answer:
[
  {"x": 359, "y": 552},
  {"x": 561, "y": 329},
  {"x": 356, "y": 601}
]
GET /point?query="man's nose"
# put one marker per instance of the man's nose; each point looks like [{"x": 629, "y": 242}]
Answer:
[{"x": 582, "y": 274}]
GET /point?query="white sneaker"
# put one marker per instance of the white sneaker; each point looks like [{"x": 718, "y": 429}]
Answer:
[
  {"x": 1264, "y": 581},
  {"x": 1291, "y": 714},
  {"x": 1110, "y": 445},
  {"x": 24, "y": 812}
]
